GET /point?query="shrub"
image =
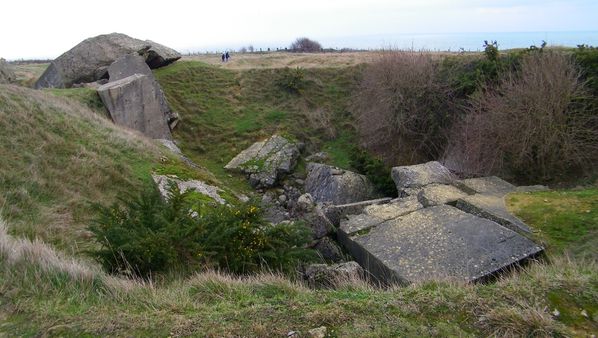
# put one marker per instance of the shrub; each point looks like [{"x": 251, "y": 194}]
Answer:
[
  {"x": 146, "y": 234},
  {"x": 375, "y": 170},
  {"x": 402, "y": 107},
  {"x": 291, "y": 79},
  {"x": 535, "y": 125},
  {"x": 305, "y": 45},
  {"x": 587, "y": 58}
]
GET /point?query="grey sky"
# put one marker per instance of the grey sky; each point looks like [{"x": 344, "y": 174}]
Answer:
[{"x": 47, "y": 28}]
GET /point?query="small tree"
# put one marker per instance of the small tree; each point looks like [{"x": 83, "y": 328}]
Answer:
[{"x": 305, "y": 45}]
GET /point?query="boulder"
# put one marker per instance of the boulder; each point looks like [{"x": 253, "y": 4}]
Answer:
[
  {"x": 131, "y": 64},
  {"x": 317, "y": 221},
  {"x": 134, "y": 102},
  {"x": 266, "y": 162},
  {"x": 7, "y": 75},
  {"x": 329, "y": 250},
  {"x": 330, "y": 184},
  {"x": 198, "y": 186},
  {"x": 438, "y": 243},
  {"x": 89, "y": 60},
  {"x": 328, "y": 276},
  {"x": 411, "y": 178}
]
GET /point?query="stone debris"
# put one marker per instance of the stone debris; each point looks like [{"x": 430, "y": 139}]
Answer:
[
  {"x": 331, "y": 184},
  {"x": 449, "y": 230},
  {"x": 210, "y": 191},
  {"x": 266, "y": 162}
]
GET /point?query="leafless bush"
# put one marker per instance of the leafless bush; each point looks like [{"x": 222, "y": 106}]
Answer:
[
  {"x": 305, "y": 45},
  {"x": 537, "y": 124},
  {"x": 401, "y": 106},
  {"x": 320, "y": 120}
]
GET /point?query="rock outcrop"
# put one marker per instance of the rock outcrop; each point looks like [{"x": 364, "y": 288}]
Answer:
[
  {"x": 89, "y": 60},
  {"x": 443, "y": 229},
  {"x": 205, "y": 189},
  {"x": 134, "y": 102},
  {"x": 131, "y": 64},
  {"x": 266, "y": 162},
  {"x": 330, "y": 184},
  {"x": 7, "y": 74}
]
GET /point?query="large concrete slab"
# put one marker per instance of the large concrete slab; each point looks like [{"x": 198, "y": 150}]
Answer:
[
  {"x": 439, "y": 242},
  {"x": 134, "y": 102}
]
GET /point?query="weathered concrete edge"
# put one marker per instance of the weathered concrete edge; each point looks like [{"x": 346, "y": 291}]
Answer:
[
  {"x": 372, "y": 265},
  {"x": 469, "y": 208}
]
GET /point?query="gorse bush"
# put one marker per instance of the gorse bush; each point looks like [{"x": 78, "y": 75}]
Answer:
[
  {"x": 291, "y": 79},
  {"x": 146, "y": 234},
  {"x": 375, "y": 170}
]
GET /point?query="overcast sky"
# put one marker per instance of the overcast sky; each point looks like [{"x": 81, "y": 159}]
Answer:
[{"x": 46, "y": 29}]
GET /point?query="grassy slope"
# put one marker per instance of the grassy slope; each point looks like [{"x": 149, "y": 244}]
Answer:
[
  {"x": 224, "y": 111},
  {"x": 57, "y": 158}
]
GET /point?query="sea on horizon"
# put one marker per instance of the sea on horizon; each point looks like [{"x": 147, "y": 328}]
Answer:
[{"x": 432, "y": 42}]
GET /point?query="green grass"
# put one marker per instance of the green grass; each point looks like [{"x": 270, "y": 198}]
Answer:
[
  {"x": 224, "y": 111},
  {"x": 86, "y": 96},
  {"x": 43, "y": 296},
  {"x": 567, "y": 220},
  {"x": 58, "y": 158}
]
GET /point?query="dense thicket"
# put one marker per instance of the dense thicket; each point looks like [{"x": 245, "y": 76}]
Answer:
[{"x": 528, "y": 115}]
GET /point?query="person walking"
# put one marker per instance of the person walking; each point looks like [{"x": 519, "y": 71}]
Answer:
[
  {"x": 227, "y": 56},
  {"x": 223, "y": 58}
]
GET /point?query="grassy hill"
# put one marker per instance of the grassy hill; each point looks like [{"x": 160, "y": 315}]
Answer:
[
  {"x": 224, "y": 111},
  {"x": 61, "y": 154}
]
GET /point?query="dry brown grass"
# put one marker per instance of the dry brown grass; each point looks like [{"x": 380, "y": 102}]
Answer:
[
  {"x": 28, "y": 73},
  {"x": 285, "y": 59}
]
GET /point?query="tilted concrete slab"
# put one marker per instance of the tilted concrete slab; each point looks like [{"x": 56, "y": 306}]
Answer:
[
  {"x": 490, "y": 185},
  {"x": 376, "y": 214},
  {"x": 436, "y": 243},
  {"x": 493, "y": 208}
]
